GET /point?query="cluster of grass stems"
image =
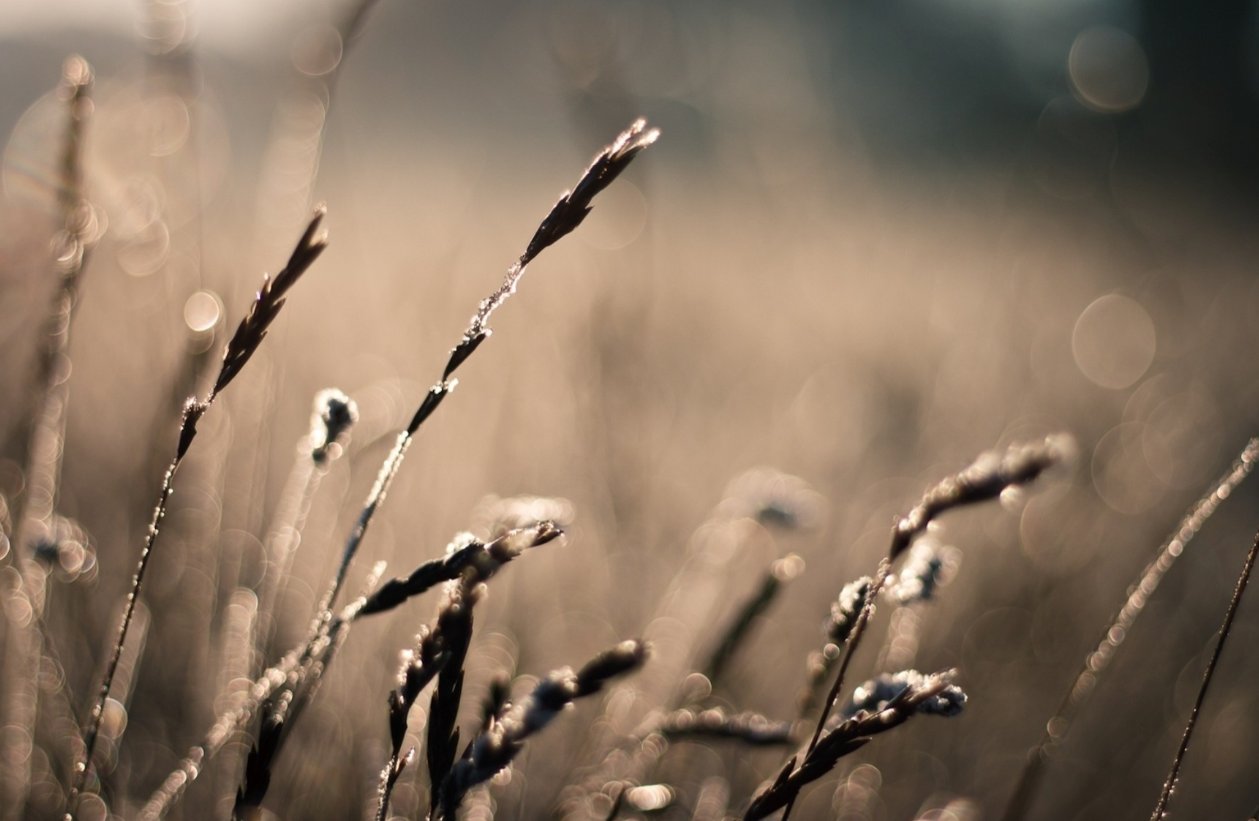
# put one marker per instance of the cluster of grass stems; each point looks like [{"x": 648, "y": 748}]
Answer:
[{"x": 826, "y": 729}]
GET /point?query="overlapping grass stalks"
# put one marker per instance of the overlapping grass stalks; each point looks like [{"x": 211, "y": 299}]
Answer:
[
  {"x": 280, "y": 694},
  {"x": 40, "y": 534},
  {"x": 287, "y": 686}
]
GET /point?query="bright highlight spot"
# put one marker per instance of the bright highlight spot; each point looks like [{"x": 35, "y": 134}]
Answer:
[{"x": 202, "y": 311}]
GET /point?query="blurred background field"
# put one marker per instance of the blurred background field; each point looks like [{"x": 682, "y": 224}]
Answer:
[{"x": 871, "y": 243}]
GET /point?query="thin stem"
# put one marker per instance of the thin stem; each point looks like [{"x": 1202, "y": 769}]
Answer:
[
  {"x": 1097, "y": 660},
  {"x": 565, "y": 215},
  {"x": 34, "y": 522},
  {"x": 249, "y": 335},
  {"x": 986, "y": 478},
  {"x": 291, "y": 670},
  {"x": 1169, "y": 786}
]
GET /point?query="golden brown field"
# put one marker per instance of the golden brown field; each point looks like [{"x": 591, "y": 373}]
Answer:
[{"x": 842, "y": 273}]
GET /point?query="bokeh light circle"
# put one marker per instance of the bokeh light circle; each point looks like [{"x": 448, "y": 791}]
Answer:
[{"x": 1114, "y": 341}]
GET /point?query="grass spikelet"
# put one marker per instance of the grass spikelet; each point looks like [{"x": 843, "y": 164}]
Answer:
[
  {"x": 419, "y": 667},
  {"x": 240, "y": 348},
  {"x": 257, "y": 777},
  {"x": 494, "y": 749},
  {"x": 921, "y": 694},
  {"x": 839, "y": 624},
  {"x": 460, "y": 555},
  {"x": 565, "y": 215},
  {"x": 442, "y": 732},
  {"x": 332, "y": 419},
  {"x": 986, "y": 478},
  {"x": 983, "y": 481}
]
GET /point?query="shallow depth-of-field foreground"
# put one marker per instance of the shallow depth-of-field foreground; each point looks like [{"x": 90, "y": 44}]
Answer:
[{"x": 834, "y": 378}]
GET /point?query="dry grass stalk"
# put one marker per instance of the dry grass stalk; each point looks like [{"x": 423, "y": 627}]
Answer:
[
  {"x": 309, "y": 659},
  {"x": 36, "y": 537},
  {"x": 565, "y": 215},
  {"x": 249, "y": 335},
  {"x": 780, "y": 572},
  {"x": 1140, "y": 592},
  {"x": 419, "y": 667},
  {"x": 441, "y": 650},
  {"x": 986, "y": 479},
  {"x": 332, "y": 419},
  {"x": 1169, "y": 786},
  {"x": 934, "y": 694},
  {"x": 494, "y": 749},
  {"x": 442, "y": 731},
  {"x": 714, "y": 723},
  {"x": 838, "y": 625}
]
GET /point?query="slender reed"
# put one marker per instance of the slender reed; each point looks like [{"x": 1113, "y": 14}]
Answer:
[
  {"x": 249, "y": 335},
  {"x": 716, "y": 723},
  {"x": 495, "y": 748},
  {"x": 35, "y": 525},
  {"x": 419, "y": 667},
  {"x": 839, "y": 624},
  {"x": 1169, "y": 786},
  {"x": 749, "y": 614},
  {"x": 441, "y": 650},
  {"x": 287, "y": 674},
  {"x": 332, "y": 419},
  {"x": 1097, "y": 660},
  {"x": 987, "y": 478},
  {"x": 935, "y": 694},
  {"x": 565, "y": 215}
]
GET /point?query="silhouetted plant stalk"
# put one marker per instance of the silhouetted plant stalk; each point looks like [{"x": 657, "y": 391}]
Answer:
[
  {"x": 774, "y": 501},
  {"x": 716, "y": 723},
  {"x": 1169, "y": 786},
  {"x": 240, "y": 348},
  {"x": 986, "y": 479},
  {"x": 287, "y": 675},
  {"x": 934, "y": 694},
  {"x": 419, "y": 667},
  {"x": 781, "y": 572},
  {"x": 326, "y": 628},
  {"x": 838, "y": 626},
  {"x": 332, "y": 419},
  {"x": 36, "y": 538},
  {"x": 565, "y": 215},
  {"x": 1096, "y": 661},
  {"x": 495, "y": 748}
]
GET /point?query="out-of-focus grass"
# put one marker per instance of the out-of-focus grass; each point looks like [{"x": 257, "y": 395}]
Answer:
[{"x": 782, "y": 283}]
